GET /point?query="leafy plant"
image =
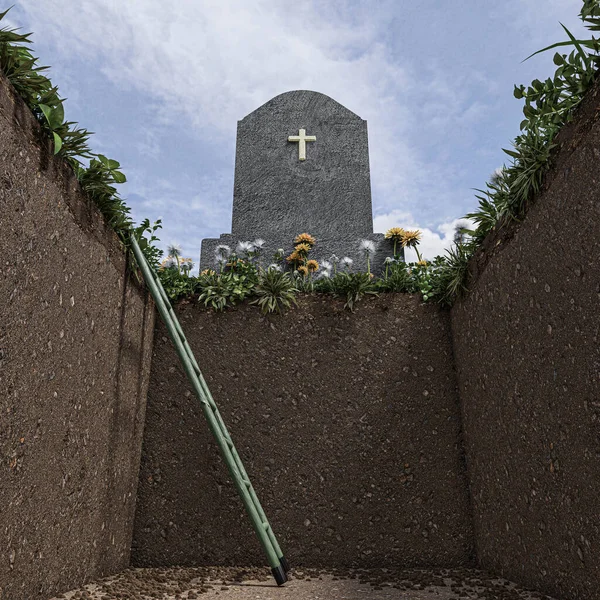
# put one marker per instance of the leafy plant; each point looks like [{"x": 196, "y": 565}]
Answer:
[
  {"x": 450, "y": 272},
  {"x": 397, "y": 277},
  {"x": 531, "y": 156},
  {"x": 493, "y": 205},
  {"x": 222, "y": 290},
  {"x": 71, "y": 143},
  {"x": 177, "y": 285},
  {"x": 151, "y": 252},
  {"x": 20, "y": 67},
  {"x": 97, "y": 181},
  {"x": 352, "y": 286},
  {"x": 548, "y": 105},
  {"x": 275, "y": 290},
  {"x": 303, "y": 282},
  {"x": 55, "y": 116}
]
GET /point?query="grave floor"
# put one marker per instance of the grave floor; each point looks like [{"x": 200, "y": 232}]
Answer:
[{"x": 208, "y": 583}]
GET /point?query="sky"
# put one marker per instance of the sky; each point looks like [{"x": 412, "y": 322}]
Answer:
[{"x": 163, "y": 85}]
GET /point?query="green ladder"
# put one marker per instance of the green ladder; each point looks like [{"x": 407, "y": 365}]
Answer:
[{"x": 279, "y": 564}]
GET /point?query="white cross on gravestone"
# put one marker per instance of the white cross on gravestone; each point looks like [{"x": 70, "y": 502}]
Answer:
[{"x": 302, "y": 138}]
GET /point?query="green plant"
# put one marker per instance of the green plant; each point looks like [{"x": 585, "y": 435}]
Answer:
[
  {"x": 396, "y": 279},
  {"x": 548, "y": 105},
  {"x": 274, "y": 291},
  {"x": 303, "y": 282},
  {"x": 176, "y": 284},
  {"x": 449, "y": 274},
  {"x": 242, "y": 267},
  {"x": 493, "y": 204},
  {"x": 151, "y": 252},
  {"x": 421, "y": 277},
  {"x": 98, "y": 179},
  {"x": 352, "y": 286},
  {"x": 531, "y": 159},
  {"x": 223, "y": 290},
  {"x": 20, "y": 67}
]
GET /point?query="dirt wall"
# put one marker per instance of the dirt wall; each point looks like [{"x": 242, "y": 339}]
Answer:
[
  {"x": 348, "y": 425},
  {"x": 75, "y": 344},
  {"x": 527, "y": 350}
]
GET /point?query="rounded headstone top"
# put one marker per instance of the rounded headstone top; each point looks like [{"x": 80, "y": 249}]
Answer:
[{"x": 303, "y": 100}]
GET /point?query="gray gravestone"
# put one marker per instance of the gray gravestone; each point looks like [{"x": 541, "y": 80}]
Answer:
[{"x": 302, "y": 165}]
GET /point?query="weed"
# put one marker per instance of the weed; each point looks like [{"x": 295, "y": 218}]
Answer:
[{"x": 275, "y": 290}]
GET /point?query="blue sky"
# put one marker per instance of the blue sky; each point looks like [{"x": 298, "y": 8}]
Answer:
[{"x": 163, "y": 85}]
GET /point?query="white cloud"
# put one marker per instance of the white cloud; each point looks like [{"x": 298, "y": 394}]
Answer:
[
  {"x": 208, "y": 63},
  {"x": 212, "y": 62},
  {"x": 525, "y": 16},
  {"x": 434, "y": 242}
]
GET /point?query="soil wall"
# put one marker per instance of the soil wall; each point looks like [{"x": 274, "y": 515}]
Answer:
[
  {"x": 75, "y": 344},
  {"x": 527, "y": 351},
  {"x": 348, "y": 425}
]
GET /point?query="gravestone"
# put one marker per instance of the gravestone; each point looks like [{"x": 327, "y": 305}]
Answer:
[{"x": 302, "y": 165}]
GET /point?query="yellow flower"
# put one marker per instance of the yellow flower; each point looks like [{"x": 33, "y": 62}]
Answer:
[
  {"x": 422, "y": 263},
  {"x": 304, "y": 270},
  {"x": 208, "y": 272},
  {"x": 395, "y": 233},
  {"x": 295, "y": 257},
  {"x": 305, "y": 238},
  {"x": 411, "y": 239},
  {"x": 235, "y": 263},
  {"x": 312, "y": 265},
  {"x": 303, "y": 248}
]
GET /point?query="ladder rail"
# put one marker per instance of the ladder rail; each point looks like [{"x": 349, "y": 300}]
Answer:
[
  {"x": 260, "y": 523},
  {"x": 224, "y": 429}
]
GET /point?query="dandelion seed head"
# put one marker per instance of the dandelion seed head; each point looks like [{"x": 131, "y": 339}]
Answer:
[
  {"x": 174, "y": 250},
  {"x": 244, "y": 247},
  {"x": 367, "y": 247}
]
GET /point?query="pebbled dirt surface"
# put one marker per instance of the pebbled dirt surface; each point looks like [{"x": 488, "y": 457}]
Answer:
[
  {"x": 526, "y": 345},
  {"x": 75, "y": 348},
  {"x": 348, "y": 425},
  {"x": 305, "y": 584}
]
